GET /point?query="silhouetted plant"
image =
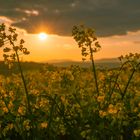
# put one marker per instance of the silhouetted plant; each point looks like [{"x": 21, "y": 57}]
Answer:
[
  {"x": 87, "y": 41},
  {"x": 11, "y": 49}
]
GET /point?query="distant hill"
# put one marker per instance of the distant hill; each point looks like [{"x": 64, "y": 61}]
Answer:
[
  {"x": 102, "y": 63},
  {"x": 109, "y": 63},
  {"x": 34, "y": 66},
  {"x": 27, "y": 66}
]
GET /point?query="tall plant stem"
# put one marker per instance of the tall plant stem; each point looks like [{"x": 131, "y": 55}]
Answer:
[
  {"x": 129, "y": 80},
  {"x": 126, "y": 87},
  {"x": 94, "y": 69},
  {"x": 24, "y": 84},
  {"x": 117, "y": 77}
]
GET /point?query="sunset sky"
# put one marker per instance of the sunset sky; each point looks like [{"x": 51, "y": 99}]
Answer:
[{"x": 116, "y": 22}]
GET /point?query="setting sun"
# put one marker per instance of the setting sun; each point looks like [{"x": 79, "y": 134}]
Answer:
[{"x": 42, "y": 36}]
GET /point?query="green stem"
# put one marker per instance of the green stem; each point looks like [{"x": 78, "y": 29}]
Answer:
[
  {"x": 94, "y": 69},
  {"x": 126, "y": 87},
  {"x": 51, "y": 113},
  {"x": 24, "y": 84},
  {"x": 129, "y": 80},
  {"x": 117, "y": 77}
]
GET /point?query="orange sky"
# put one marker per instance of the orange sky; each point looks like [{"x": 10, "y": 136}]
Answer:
[{"x": 65, "y": 48}]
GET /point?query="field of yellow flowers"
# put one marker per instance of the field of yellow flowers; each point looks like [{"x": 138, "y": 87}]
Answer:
[
  {"x": 64, "y": 103},
  {"x": 70, "y": 103}
]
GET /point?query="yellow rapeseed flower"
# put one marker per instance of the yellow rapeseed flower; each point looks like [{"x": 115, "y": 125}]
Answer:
[
  {"x": 10, "y": 126},
  {"x": 139, "y": 104},
  {"x": 112, "y": 109},
  {"x": 5, "y": 110},
  {"x": 44, "y": 125},
  {"x": 21, "y": 110},
  {"x": 26, "y": 124},
  {"x": 100, "y": 98},
  {"x": 102, "y": 113},
  {"x": 10, "y": 105},
  {"x": 63, "y": 99},
  {"x": 137, "y": 132},
  {"x": 135, "y": 109}
]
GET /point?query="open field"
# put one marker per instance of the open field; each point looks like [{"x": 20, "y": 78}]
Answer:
[{"x": 64, "y": 104}]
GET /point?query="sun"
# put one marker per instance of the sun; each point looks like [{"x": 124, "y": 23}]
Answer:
[{"x": 42, "y": 36}]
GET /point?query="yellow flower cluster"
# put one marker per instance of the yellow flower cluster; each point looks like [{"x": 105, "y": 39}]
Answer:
[
  {"x": 102, "y": 113},
  {"x": 44, "y": 125},
  {"x": 5, "y": 110},
  {"x": 112, "y": 109},
  {"x": 26, "y": 124},
  {"x": 137, "y": 132},
  {"x": 21, "y": 110},
  {"x": 100, "y": 98}
]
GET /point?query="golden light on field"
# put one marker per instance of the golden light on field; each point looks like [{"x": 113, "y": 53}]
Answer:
[{"x": 42, "y": 36}]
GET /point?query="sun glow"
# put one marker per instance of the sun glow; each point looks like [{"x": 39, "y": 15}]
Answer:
[{"x": 42, "y": 36}]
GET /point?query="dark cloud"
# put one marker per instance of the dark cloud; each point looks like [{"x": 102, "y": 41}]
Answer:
[{"x": 108, "y": 17}]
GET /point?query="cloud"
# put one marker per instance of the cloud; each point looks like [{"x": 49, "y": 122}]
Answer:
[
  {"x": 5, "y": 20},
  {"x": 107, "y": 17}
]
